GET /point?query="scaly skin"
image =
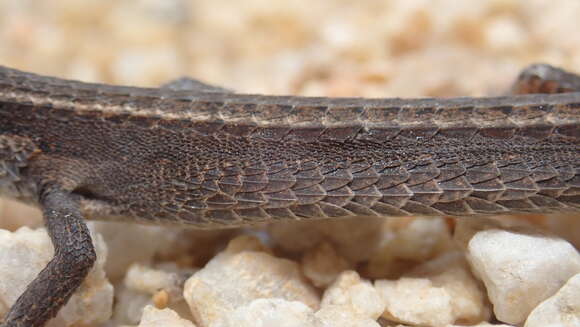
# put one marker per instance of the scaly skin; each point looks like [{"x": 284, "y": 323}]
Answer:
[
  {"x": 222, "y": 159},
  {"x": 197, "y": 155}
]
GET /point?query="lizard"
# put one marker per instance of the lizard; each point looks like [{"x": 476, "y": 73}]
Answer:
[{"x": 193, "y": 154}]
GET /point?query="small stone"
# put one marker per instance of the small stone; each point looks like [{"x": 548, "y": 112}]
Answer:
[
  {"x": 160, "y": 285},
  {"x": 129, "y": 305},
  {"x": 132, "y": 243},
  {"x": 153, "y": 317},
  {"x": 25, "y": 252},
  {"x": 562, "y": 309},
  {"x": 439, "y": 292},
  {"x": 355, "y": 239},
  {"x": 150, "y": 280},
  {"x": 161, "y": 299},
  {"x": 322, "y": 265},
  {"x": 520, "y": 267},
  {"x": 236, "y": 277},
  {"x": 269, "y": 313},
  {"x": 407, "y": 241},
  {"x": 247, "y": 243},
  {"x": 451, "y": 272},
  {"x": 350, "y": 301},
  {"x": 415, "y": 301}
]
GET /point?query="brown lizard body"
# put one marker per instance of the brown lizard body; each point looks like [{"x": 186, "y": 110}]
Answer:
[{"x": 189, "y": 153}]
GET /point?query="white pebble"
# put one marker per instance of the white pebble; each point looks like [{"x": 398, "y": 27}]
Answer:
[
  {"x": 438, "y": 293},
  {"x": 153, "y": 317},
  {"x": 130, "y": 243},
  {"x": 415, "y": 301},
  {"x": 269, "y": 313},
  {"x": 235, "y": 278},
  {"x": 562, "y": 309},
  {"x": 520, "y": 268},
  {"x": 322, "y": 265},
  {"x": 350, "y": 301}
]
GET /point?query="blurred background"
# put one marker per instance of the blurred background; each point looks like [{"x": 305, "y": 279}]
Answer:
[
  {"x": 374, "y": 48},
  {"x": 321, "y": 47}
]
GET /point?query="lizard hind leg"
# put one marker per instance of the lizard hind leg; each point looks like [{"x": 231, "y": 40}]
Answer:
[
  {"x": 543, "y": 78},
  {"x": 74, "y": 255}
]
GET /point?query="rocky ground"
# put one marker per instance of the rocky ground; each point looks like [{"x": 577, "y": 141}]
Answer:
[{"x": 518, "y": 271}]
